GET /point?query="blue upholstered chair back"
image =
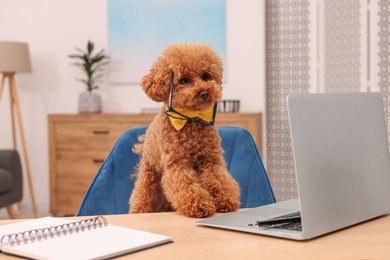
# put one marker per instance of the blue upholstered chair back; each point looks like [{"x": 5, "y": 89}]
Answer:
[{"x": 110, "y": 191}]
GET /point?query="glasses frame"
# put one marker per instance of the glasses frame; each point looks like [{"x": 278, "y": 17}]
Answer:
[{"x": 170, "y": 109}]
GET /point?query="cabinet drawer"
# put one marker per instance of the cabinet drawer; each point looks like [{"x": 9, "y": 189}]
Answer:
[
  {"x": 69, "y": 193},
  {"x": 88, "y": 135},
  {"x": 69, "y": 201},
  {"x": 75, "y": 171},
  {"x": 82, "y": 164}
]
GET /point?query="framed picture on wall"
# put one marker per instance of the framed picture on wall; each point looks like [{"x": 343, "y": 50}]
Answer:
[{"x": 138, "y": 32}]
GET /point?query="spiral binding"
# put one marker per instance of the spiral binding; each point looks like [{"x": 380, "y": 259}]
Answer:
[{"x": 50, "y": 232}]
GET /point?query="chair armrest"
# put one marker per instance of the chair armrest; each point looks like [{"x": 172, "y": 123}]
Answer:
[{"x": 10, "y": 161}]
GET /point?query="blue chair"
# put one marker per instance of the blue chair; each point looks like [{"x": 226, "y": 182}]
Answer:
[{"x": 110, "y": 190}]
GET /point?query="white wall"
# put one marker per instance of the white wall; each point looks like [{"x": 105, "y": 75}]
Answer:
[{"x": 54, "y": 28}]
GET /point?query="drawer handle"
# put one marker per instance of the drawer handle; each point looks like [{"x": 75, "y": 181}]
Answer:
[
  {"x": 98, "y": 160},
  {"x": 101, "y": 132}
]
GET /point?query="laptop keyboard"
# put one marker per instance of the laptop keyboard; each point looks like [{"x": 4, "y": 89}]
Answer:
[{"x": 285, "y": 222}]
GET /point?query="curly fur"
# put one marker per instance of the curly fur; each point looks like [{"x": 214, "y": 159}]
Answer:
[{"x": 183, "y": 170}]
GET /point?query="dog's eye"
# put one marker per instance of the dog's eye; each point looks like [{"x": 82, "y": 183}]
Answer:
[
  {"x": 184, "y": 81},
  {"x": 206, "y": 76}
]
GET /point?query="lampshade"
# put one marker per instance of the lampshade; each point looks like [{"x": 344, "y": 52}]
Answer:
[{"x": 14, "y": 57}]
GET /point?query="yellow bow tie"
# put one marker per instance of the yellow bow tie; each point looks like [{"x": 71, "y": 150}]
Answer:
[{"x": 205, "y": 115}]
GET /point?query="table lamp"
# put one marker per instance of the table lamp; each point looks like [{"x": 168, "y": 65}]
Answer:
[{"x": 15, "y": 58}]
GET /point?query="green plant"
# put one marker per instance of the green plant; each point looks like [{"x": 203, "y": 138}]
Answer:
[{"x": 91, "y": 64}]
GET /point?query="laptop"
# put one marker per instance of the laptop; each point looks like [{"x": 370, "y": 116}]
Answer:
[{"x": 342, "y": 168}]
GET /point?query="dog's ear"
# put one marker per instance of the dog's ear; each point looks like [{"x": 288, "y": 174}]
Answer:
[{"x": 156, "y": 83}]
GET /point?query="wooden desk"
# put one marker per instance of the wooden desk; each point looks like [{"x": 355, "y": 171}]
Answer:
[{"x": 369, "y": 240}]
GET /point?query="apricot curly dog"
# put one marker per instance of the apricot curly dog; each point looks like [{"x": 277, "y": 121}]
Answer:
[{"x": 182, "y": 166}]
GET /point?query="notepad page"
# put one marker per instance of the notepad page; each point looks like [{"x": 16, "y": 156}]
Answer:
[{"x": 100, "y": 243}]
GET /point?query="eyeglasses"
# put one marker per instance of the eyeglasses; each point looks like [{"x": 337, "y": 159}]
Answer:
[{"x": 175, "y": 114}]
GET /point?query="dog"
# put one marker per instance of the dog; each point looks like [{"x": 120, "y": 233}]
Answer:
[{"x": 182, "y": 166}]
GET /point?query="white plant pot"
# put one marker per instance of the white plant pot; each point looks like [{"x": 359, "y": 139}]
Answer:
[{"x": 89, "y": 102}]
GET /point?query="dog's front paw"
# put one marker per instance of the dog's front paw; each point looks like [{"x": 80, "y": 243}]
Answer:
[
  {"x": 227, "y": 205},
  {"x": 199, "y": 209},
  {"x": 227, "y": 201}
]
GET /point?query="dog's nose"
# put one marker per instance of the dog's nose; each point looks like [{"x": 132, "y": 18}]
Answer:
[{"x": 204, "y": 95}]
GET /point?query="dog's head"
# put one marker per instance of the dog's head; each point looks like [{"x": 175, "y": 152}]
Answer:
[{"x": 197, "y": 76}]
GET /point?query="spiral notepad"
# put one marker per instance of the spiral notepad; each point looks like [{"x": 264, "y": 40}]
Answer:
[
  {"x": 38, "y": 234},
  {"x": 58, "y": 238}
]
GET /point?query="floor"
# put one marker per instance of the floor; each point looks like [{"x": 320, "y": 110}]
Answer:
[{"x": 23, "y": 211}]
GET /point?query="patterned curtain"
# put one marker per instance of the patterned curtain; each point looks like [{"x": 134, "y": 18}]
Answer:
[
  {"x": 341, "y": 45},
  {"x": 287, "y": 71}
]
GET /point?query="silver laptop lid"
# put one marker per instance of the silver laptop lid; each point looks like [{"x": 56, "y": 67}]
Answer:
[{"x": 341, "y": 159}]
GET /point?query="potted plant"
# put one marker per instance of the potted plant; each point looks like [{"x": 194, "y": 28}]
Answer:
[{"x": 91, "y": 64}]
